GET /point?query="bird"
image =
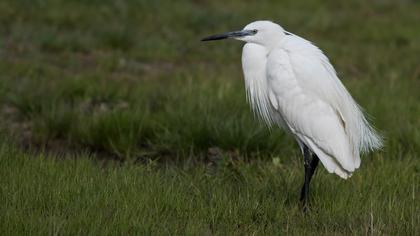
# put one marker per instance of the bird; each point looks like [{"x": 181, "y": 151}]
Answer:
[{"x": 290, "y": 83}]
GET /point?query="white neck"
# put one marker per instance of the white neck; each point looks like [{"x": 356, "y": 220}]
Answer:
[{"x": 254, "y": 58}]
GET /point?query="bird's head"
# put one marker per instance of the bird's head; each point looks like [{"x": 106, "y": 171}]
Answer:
[{"x": 265, "y": 33}]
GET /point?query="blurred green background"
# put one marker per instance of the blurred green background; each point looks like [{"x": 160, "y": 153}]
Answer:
[{"x": 128, "y": 85}]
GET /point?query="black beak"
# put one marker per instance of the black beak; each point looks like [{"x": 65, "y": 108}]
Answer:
[{"x": 233, "y": 34}]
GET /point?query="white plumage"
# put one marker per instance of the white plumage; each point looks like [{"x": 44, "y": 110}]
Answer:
[{"x": 291, "y": 83}]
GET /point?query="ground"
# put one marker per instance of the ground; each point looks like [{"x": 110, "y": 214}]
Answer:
[{"x": 116, "y": 119}]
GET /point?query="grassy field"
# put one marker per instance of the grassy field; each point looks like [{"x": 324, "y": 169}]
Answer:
[{"x": 116, "y": 119}]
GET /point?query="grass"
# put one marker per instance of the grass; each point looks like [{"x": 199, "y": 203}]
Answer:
[
  {"x": 79, "y": 196},
  {"x": 116, "y": 119}
]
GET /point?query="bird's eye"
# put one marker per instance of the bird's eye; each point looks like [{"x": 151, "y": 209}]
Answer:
[{"x": 254, "y": 31}]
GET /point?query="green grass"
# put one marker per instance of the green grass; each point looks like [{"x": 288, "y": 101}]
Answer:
[
  {"x": 80, "y": 196},
  {"x": 83, "y": 82}
]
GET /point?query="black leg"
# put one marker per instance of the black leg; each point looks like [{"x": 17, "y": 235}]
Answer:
[
  {"x": 310, "y": 166},
  {"x": 305, "y": 188}
]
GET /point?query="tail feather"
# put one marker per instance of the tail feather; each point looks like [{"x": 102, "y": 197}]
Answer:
[{"x": 371, "y": 140}]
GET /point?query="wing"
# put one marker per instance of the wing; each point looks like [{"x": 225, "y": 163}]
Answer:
[
  {"x": 294, "y": 80},
  {"x": 317, "y": 76}
]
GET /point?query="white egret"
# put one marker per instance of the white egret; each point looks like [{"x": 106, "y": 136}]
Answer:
[{"x": 291, "y": 83}]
